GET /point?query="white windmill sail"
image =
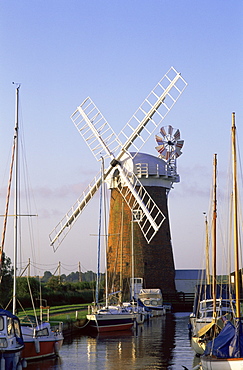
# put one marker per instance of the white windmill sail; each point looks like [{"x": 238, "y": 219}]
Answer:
[
  {"x": 152, "y": 111},
  {"x": 103, "y": 142}
]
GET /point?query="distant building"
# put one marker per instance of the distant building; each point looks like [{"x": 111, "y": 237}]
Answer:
[{"x": 186, "y": 280}]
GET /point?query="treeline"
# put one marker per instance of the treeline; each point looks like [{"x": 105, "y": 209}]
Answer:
[
  {"x": 48, "y": 290},
  {"x": 74, "y": 277}
]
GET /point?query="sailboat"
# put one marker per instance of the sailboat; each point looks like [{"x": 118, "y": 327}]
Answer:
[
  {"x": 11, "y": 339},
  {"x": 40, "y": 340},
  {"x": 226, "y": 350},
  {"x": 211, "y": 300},
  {"x": 135, "y": 306},
  {"x": 107, "y": 318}
]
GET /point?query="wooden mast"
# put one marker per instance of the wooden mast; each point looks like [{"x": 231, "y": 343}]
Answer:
[
  {"x": 207, "y": 252},
  {"x": 214, "y": 231},
  {"x": 121, "y": 258},
  {"x": 6, "y": 207},
  {"x": 235, "y": 215}
]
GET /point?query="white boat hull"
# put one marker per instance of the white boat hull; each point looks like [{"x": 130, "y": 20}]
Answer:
[
  {"x": 156, "y": 311},
  {"x": 110, "y": 322},
  {"x": 211, "y": 363}
]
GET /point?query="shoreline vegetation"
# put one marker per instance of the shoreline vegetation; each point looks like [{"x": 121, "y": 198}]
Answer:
[
  {"x": 73, "y": 316},
  {"x": 63, "y": 313}
]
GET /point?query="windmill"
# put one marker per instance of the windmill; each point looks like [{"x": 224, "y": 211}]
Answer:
[
  {"x": 169, "y": 146},
  {"x": 120, "y": 174}
]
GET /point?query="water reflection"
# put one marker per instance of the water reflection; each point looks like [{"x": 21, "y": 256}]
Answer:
[
  {"x": 149, "y": 346},
  {"x": 161, "y": 343},
  {"x": 53, "y": 363}
]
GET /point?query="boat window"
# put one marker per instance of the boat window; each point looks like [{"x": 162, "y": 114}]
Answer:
[
  {"x": 10, "y": 326},
  {"x": 3, "y": 343},
  {"x": 42, "y": 332},
  {"x": 154, "y": 303},
  {"x": 1, "y": 323},
  {"x": 146, "y": 301},
  {"x": 17, "y": 329}
]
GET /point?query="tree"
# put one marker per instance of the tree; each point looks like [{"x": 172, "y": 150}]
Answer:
[
  {"x": 54, "y": 284},
  {"x": 7, "y": 268},
  {"x": 27, "y": 288},
  {"x": 46, "y": 277},
  {"x": 6, "y": 286},
  {"x": 74, "y": 276}
]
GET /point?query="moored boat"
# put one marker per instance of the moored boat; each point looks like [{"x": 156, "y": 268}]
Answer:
[
  {"x": 41, "y": 339},
  {"x": 106, "y": 318},
  {"x": 152, "y": 299},
  {"x": 38, "y": 338},
  {"x": 226, "y": 350},
  {"x": 11, "y": 342},
  {"x": 111, "y": 318},
  {"x": 213, "y": 304},
  {"x": 205, "y": 312}
]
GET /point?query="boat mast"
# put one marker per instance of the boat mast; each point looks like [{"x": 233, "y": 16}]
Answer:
[
  {"x": 98, "y": 249},
  {"x": 16, "y": 197},
  {"x": 235, "y": 215},
  {"x": 207, "y": 251},
  {"x": 214, "y": 231},
  {"x": 105, "y": 233},
  {"x": 6, "y": 208},
  {"x": 121, "y": 258},
  {"x": 132, "y": 252}
]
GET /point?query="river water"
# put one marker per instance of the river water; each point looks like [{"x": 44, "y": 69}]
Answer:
[{"x": 161, "y": 343}]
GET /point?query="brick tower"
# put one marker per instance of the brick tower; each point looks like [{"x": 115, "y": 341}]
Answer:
[{"x": 154, "y": 261}]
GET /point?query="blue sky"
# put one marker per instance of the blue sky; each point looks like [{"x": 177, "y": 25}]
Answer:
[{"x": 116, "y": 52}]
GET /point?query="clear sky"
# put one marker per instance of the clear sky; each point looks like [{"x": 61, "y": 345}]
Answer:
[{"x": 116, "y": 52}]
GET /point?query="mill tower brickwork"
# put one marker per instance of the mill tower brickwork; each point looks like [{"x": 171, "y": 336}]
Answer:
[{"x": 153, "y": 262}]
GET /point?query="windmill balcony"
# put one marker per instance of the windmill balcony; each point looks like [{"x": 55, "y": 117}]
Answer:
[{"x": 155, "y": 170}]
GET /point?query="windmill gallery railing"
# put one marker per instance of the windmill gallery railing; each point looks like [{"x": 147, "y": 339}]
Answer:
[{"x": 146, "y": 170}]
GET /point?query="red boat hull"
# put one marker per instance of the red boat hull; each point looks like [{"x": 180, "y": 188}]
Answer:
[{"x": 44, "y": 349}]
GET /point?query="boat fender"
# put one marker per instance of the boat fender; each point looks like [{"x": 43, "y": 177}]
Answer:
[
  {"x": 2, "y": 363},
  {"x": 37, "y": 345},
  {"x": 56, "y": 348},
  {"x": 24, "y": 363},
  {"x": 19, "y": 367}
]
